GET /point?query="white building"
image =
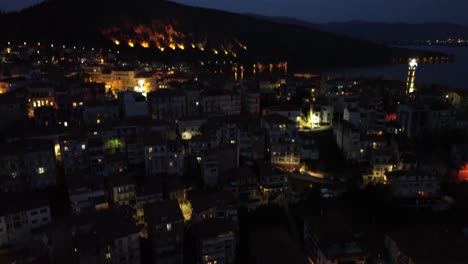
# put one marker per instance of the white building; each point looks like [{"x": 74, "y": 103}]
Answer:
[
  {"x": 282, "y": 140},
  {"x": 190, "y": 126},
  {"x": 419, "y": 118},
  {"x": 163, "y": 156},
  {"x": 309, "y": 147},
  {"x": 72, "y": 154},
  {"x": 28, "y": 165},
  {"x": 381, "y": 162},
  {"x": 348, "y": 139},
  {"x": 328, "y": 239},
  {"x": 108, "y": 236},
  {"x": 251, "y": 102},
  {"x": 273, "y": 183},
  {"x": 99, "y": 113},
  {"x": 122, "y": 190},
  {"x": 221, "y": 102},
  {"x": 210, "y": 170},
  {"x": 87, "y": 198},
  {"x": 169, "y": 105},
  {"x": 353, "y": 116},
  {"x": 134, "y": 105},
  {"x": 19, "y": 219},
  {"x": 216, "y": 241},
  {"x": 122, "y": 79},
  {"x": 321, "y": 115},
  {"x": 413, "y": 184},
  {"x": 291, "y": 112},
  {"x": 165, "y": 224}
]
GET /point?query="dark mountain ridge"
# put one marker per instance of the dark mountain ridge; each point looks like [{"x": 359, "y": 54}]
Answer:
[
  {"x": 384, "y": 32},
  {"x": 168, "y": 25}
]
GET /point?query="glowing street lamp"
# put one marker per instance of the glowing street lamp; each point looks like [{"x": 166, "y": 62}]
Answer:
[{"x": 142, "y": 87}]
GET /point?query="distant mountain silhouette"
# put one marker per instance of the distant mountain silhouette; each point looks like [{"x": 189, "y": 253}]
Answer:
[
  {"x": 384, "y": 32},
  {"x": 164, "y": 25}
]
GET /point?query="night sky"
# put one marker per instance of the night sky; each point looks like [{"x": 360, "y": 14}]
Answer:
[{"x": 412, "y": 11}]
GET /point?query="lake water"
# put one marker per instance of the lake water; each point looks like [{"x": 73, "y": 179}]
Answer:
[{"x": 453, "y": 74}]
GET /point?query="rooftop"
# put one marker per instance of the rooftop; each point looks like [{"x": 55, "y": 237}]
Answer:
[
  {"x": 202, "y": 200},
  {"x": 408, "y": 173},
  {"x": 278, "y": 119},
  {"x": 98, "y": 229},
  {"x": 163, "y": 212},
  {"x": 20, "y": 202},
  {"x": 431, "y": 245},
  {"x": 10, "y": 98},
  {"x": 212, "y": 228},
  {"x": 240, "y": 175},
  {"x": 274, "y": 246},
  {"x": 333, "y": 233},
  {"x": 166, "y": 93},
  {"x": 283, "y": 108},
  {"x": 121, "y": 180},
  {"x": 25, "y": 147}
]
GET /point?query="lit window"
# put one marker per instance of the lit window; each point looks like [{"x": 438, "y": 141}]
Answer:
[
  {"x": 171, "y": 164},
  {"x": 83, "y": 147},
  {"x": 233, "y": 142},
  {"x": 150, "y": 149},
  {"x": 65, "y": 148},
  {"x": 81, "y": 103},
  {"x": 65, "y": 124},
  {"x": 14, "y": 174},
  {"x": 197, "y": 103},
  {"x": 168, "y": 227},
  {"x": 108, "y": 255},
  {"x": 41, "y": 170},
  {"x": 74, "y": 104},
  {"x": 98, "y": 121}
]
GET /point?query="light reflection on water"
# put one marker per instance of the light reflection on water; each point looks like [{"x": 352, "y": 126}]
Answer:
[{"x": 451, "y": 74}]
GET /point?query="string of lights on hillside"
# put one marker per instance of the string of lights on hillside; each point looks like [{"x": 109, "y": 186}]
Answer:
[{"x": 167, "y": 37}]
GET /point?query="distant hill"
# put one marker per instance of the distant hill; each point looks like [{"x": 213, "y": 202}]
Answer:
[
  {"x": 163, "y": 25},
  {"x": 397, "y": 32},
  {"x": 384, "y": 32}
]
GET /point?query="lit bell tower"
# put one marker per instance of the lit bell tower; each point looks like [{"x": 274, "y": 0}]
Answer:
[{"x": 413, "y": 65}]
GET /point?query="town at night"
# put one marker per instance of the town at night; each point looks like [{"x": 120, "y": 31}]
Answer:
[{"x": 233, "y": 132}]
